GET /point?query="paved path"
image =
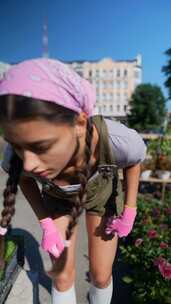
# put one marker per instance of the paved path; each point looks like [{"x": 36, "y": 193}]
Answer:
[{"x": 25, "y": 223}]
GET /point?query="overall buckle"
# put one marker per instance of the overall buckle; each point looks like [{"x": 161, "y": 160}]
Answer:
[{"x": 107, "y": 170}]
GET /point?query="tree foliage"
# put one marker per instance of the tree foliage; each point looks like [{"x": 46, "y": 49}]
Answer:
[
  {"x": 148, "y": 108},
  {"x": 167, "y": 71}
]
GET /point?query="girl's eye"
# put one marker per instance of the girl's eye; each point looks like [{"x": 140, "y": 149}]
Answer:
[{"x": 40, "y": 150}]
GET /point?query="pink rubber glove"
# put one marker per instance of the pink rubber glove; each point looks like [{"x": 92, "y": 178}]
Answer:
[
  {"x": 123, "y": 224},
  {"x": 52, "y": 240},
  {"x": 3, "y": 230}
]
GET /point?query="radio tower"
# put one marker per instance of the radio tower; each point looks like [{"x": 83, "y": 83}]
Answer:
[{"x": 45, "y": 39}]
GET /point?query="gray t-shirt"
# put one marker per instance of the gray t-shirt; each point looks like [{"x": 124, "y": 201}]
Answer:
[{"x": 127, "y": 145}]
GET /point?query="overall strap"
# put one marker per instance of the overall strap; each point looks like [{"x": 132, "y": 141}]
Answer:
[{"x": 107, "y": 162}]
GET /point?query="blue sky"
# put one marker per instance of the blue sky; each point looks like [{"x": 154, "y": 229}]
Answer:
[{"x": 89, "y": 30}]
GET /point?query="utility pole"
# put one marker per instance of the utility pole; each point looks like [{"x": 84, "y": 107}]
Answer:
[{"x": 45, "y": 39}]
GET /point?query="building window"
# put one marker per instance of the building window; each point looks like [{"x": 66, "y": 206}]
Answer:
[
  {"x": 125, "y": 96},
  {"x": 111, "y": 96},
  {"x": 97, "y": 73},
  {"x": 118, "y": 84},
  {"x": 118, "y": 108},
  {"x": 110, "y": 85},
  {"x": 104, "y": 96},
  {"x": 111, "y": 72},
  {"x": 118, "y": 96},
  {"x": 104, "y": 108},
  {"x": 104, "y": 83},
  {"x": 104, "y": 72},
  {"x": 97, "y": 97},
  {"x": 107, "y": 96},
  {"x": 97, "y": 90},
  {"x": 111, "y": 108},
  {"x": 125, "y": 84},
  {"x": 125, "y": 108},
  {"x": 97, "y": 83},
  {"x": 125, "y": 73},
  {"x": 118, "y": 73},
  {"x": 90, "y": 74},
  {"x": 113, "y": 84}
]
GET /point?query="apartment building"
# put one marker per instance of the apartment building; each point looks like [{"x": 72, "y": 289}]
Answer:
[{"x": 114, "y": 81}]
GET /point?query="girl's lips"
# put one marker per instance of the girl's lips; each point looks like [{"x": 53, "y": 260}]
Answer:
[{"x": 45, "y": 173}]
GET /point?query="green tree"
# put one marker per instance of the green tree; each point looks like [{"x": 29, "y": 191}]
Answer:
[
  {"x": 167, "y": 71},
  {"x": 147, "y": 108}
]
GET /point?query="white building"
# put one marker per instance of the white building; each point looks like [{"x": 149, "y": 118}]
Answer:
[{"x": 114, "y": 81}]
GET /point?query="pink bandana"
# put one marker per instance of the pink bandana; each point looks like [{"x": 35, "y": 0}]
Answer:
[{"x": 52, "y": 81}]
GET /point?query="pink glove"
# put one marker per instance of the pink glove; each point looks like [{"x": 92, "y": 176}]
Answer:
[
  {"x": 52, "y": 240},
  {"x": 123, "y": 224},
  {"x": 3, "y": 230}
]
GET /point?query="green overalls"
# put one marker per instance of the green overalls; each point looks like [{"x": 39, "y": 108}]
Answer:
[{"x": 103, "y": 194}]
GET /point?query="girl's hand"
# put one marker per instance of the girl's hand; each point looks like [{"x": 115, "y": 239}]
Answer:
[
  {"x": 123, "y": 224},
  {"x": 52, "y": 240}
]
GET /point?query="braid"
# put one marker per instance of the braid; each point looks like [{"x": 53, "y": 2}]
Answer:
[
  {"x": 83, "y": 178},
  {"x": 9, "y": 194}
]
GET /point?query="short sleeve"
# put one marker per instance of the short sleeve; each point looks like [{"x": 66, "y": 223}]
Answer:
[
  {"x": 7, "y": 154},
  {"x": 128, "y": 146}
]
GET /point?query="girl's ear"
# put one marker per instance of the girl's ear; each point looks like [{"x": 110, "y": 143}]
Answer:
[{"x": 81, "y": 124}]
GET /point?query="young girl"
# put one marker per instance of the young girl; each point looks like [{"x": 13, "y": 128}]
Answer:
[{"x": 65, "y": 160}]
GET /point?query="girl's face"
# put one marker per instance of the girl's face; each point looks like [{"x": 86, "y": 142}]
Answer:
[{"x": 44, "y": 147}]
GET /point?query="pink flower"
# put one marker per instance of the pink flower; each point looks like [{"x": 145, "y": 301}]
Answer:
[
  {"x": 168, "y": 210},
  {"x": 138, "y": 242},
  {"x": 164, "y": 226},
  {"x": 159, "y": 260},
  {"x": 156, "y": 212},
  {"x": 163, "y": 245},
  {"x": 145, "y": 220},
  {"x": 152, "y": 234},
  {"x": 165, "y": 269}
]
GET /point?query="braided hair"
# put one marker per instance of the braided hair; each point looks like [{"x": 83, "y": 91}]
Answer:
[
  {"x": 9, "y": 195},
  {"x": 83, "y": 176}
]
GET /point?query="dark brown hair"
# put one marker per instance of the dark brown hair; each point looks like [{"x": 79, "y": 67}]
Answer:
[{"x": 14, "y": 108}]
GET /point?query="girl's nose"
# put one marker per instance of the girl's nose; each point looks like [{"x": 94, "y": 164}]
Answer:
[{"x": 31, "y": 161}]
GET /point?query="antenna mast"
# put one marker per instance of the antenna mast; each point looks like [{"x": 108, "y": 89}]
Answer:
[{"x": 45, "y": 39}]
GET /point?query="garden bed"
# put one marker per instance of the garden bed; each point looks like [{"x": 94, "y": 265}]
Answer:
[
  {"x": 14, "y": 260},
  {"x": 142, "y": 271}
]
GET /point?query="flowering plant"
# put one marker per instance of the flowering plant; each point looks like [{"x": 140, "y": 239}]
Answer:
[
  {"x": 148, "y": 252},
  {"x": 160, "y": 150},
  {"x": 161, "y": 145}
]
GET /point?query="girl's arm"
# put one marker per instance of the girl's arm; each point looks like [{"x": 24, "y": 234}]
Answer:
[
  {"x": 131, "y": 182},
  {"x": 32, "y": 193}
]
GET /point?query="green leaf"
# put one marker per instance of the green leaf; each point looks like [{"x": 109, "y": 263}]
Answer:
[
  {"x": 168, "y": 300},
  {"x": 1, "y": 274},
  {"x": 9, "y": 249},
  {"x": 127, "y": 279}
]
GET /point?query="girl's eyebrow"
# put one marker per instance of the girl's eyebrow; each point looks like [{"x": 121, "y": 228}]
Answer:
[{"x": 34, "y": 143}]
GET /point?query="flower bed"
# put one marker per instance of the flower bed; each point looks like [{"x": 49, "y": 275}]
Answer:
[{"x": 148, "y": 252}]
